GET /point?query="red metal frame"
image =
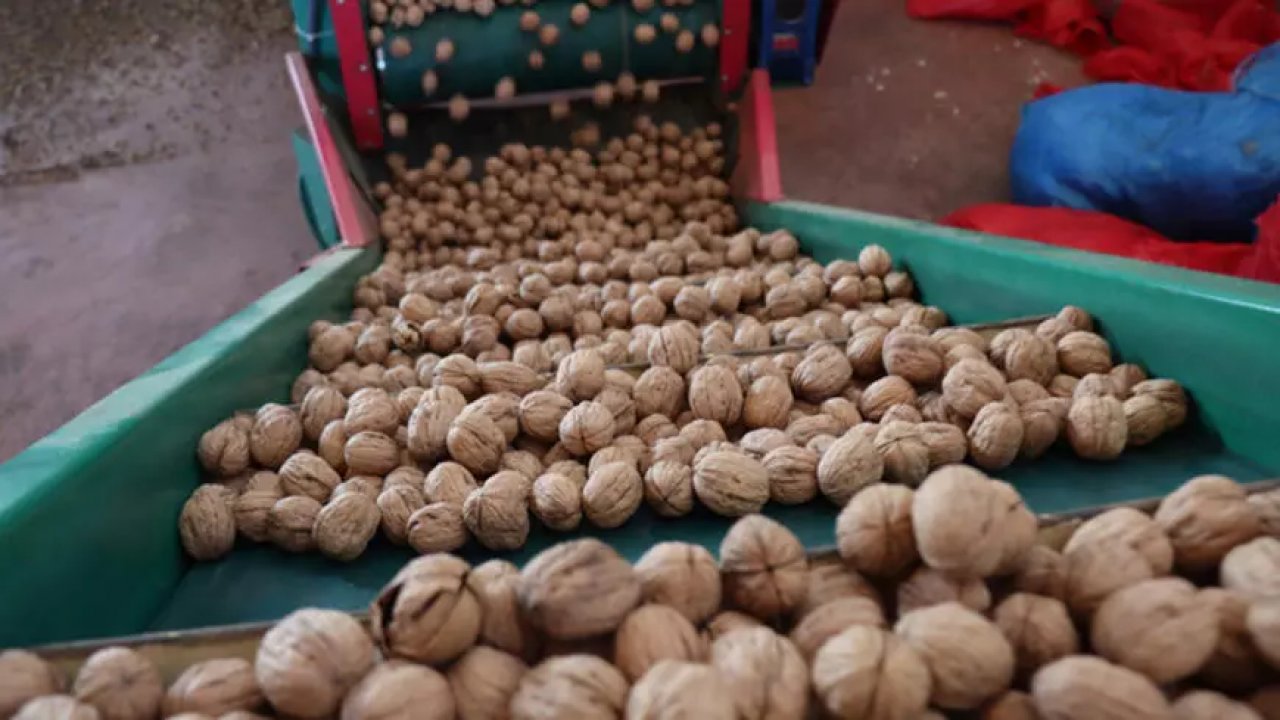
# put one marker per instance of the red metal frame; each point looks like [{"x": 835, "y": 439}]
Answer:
[
  {"x": 358, "y": 79},
  {"x": 735, "y": 26},
  {"x": 357, "y": 225},
  {"x": 757, "y": 176}
]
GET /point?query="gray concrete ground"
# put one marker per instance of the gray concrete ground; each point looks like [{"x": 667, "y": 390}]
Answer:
[{"x": 147, "y": 184}]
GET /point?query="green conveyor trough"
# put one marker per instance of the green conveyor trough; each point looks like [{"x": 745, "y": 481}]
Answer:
[{"x": 88, "y": 514}]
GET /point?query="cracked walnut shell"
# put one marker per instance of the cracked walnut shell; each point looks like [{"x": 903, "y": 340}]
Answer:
[{"x": 427, "y": 613}]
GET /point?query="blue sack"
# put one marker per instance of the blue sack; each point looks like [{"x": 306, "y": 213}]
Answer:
[{"x": 1191, "y": 165}]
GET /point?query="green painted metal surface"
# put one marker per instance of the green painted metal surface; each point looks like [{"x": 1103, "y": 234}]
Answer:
[
  {"x": 313, "y": 194},
  {"x": 488, "y": 49},
  {"x": 88, "y": 514}
]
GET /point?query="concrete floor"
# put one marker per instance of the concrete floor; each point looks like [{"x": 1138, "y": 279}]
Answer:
[{"x": 147, "y": 185}]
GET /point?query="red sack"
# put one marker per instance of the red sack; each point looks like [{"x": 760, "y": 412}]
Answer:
[
  {"x": 968, "y": 9},
  {"x": 1130, "y": 64},
  {"x": 1111, "y": 235},
  {"x": 1151, "y": 25}
]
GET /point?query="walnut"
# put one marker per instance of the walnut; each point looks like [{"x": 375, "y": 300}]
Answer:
[
  {"x": 213, "y": 688},
  {"x": 849, "y": 465},
  {"x": 682, "y": 576},
  {"x": 1096, "y": 427},
  {"x": 1082, "y": 686},
  {"x": 668, "y": 488},
  {"x": 1129, "y": 527},
  {"x": 654, "y": 428},
  {"x": 1266, "y": 506},
  {"x": 672, "y": 688},
  {"x": 1030, "y": 357},
  {"x": 865, "y": 671},
  {"x": 960, "y": 520},
  {"x": 829, "y": 619},
  {"x": 1207, "y": 705},
  {"x": 503, "y": 625},
  {"x": 803, "y": 429},
  {"x": 224, "y": 449},
  {"x": 458, "y": 372},
  {"x": 557, "y": 501},
  {"x": 276, "y": 433},
  {"x": 1038, "y": 628},
  {"x": 1235, "y": 665},
  {"x": 508, "y": 376},
  {"x": 331, "y": 347},
  {"x": 968, "y": 658},
  {"x": 1171, "y": 396},
  {"x": 1094, "y": 385},
  {"x": 540, "y": 413},
  {"x": 1083, "y": 352},
  {"x": 995, "y": 437},
  {"x": 503, "y": 408},
  {"x": 946, "y": 444},
  {"x": 765, "y": 672},
  {"x": 651, "y": 634},
  {"x": 448, "y": 482},
  {"x": 1253, "y": 569},
  {"x": 792, "y": 473},
  {"x": 483, "y": 681},
  {"x": 476, "y": 442},
  {"x": 762, "y": 441},
  {"x": 763, "y": 566},
  {"x": 306, "y": 473},
  {"x": 731, "y": 483},
  {"x": 497, "y": 513},
  {"x": 612, "y": 494},
  {"x": 392, "y": 686},
  {"x": 972, "y": 384},
  {"x": 580, "y": 375},
  {"x": 207, "y": 525},
  {"x": 1263, "y": 623},
  {"x": 1145, "y": 419},
  {"x": 1042, "y": 422},
  {"x": 587, "y": 428},
  {"x": 1204, "y": 519},
  {"x": 570, "y": 686},
  {"x": 1095, "y": 571},
  {"x": 905, "y": 455},
  {"x": 865, "y": 351},
  {"x": 290, "y": 521},
  {"x": 915, "y": 358},
  {"x": 427, "y": 613},
  {"x": 823, "y": 373},
  {"x": 578, "y": 589},
  {"x": 308, "y": 661},
  {"x": 56, "y": 707},
  {"x": 371, "y": 409},
  {"x": 768, "y": 403},
  {"x": 883, "y": 394},
  {"x": 674, "y": 346},
  {"x": 714, "y": 394},
  {"x": 874, "y": 260},
  {"x": 926, "y": 587},
  {"x": 344, "y": 526},
  {"x": 1158, "y": 627},
  {"x": 24, "y": 676},
  {"x": 437, "y": 527}
]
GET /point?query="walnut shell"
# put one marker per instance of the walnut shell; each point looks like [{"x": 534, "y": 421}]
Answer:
[
  {"x": 651, "y": 634},
  {"x": 1030, "y": 357},
  {"x": 429, "y": 424},
  {"x": 1207, "y": 705},
  {"x": 24, "y": 676},
  {"x": 503, "y": 625},
  {"x": 946, "y": 444},
  {"x": 1082, "y": 686},
  {"x": 373, "y": 410},
  {"x": 1042, "y": 422},
  {"x": 1204, "y": 519},
  {"x": 580, "y": 375},
  {"x": 56, "y": 707},
  {"x": 731, "y": 483},
  {"x": 1266, "y": 505},
  {"x": 1038, "y": 628},
  {"x": 822, "y": 373},
  {"x": 570, "y": 686},
  {"x": 968, "y": 658},
  {"x": 306, "y": 473},
  {"x": 1129, "y": 527},
  {"x": 905, "y": 454},
  {"x": 763, "y": 567},
  {"x": 659, "y": 391},
  {"x": 497, "y": 513},
  {"x": 276, "y": 434},
  {"x": 1096, "y": 427},
  {"x": 865, "y": 351},
  {"x": 672, "y": 688},
  {"x": 437, "y": 527},
  {"x": 1145, "y": 419},
  {"x": 960, "y": 520},
  {"x": 476, "y": 442},
  {"x": 995, "y": 437},
  {"x": 830, "y": 619},
  {"x": 1095, "y": 571},
  {"x": 1082, "y": 352},
  {"x": 308, "y": 661},
  {"x": 765, "y": 672},
  {"x": 1263, "y": 623},
  {"x": 207, "y": 524},
  {"x": 213, "y": 688},
  {"x": 674, "y": 346},
  {"x": 483, "y": 682},
  {"x": 557, "y": 501},
  {"x": 290, "y": 521},
  {"x": 578, "y": 589},
  {"x": 1235, "y": 665},
  {"x": 224, "y": 449},
  {"x": 926, "y": 587},
  {"x": 370, "y": 453},
  {"x": 612, "y": 494},
  {"x": 1043, "y": 572},
  {"x": 849, "y": 465},
  {"x": 1253, "y": 569},
  {"x": 587, "y": 428},
  {"x": 714, "y": 394},
  {"x": 915, "y": 358},
  {"x": 393, "y": 686},
  {"x": 865, "y": 671},
  {"x": 448, "y": 482},
  {"x": 1171, "y": 396},
  {"x": 458, "y": 372},
  {"x": 508, "y": 376},
  {"x": 668, "y": 488},
  {"x": 768, "y": 403},
  {"x": 682, "y": 576},
  {"x": 793, "y": 474},
  {"x": 344, "y": 526},
  {"x": 971, "y": 385},
  {"x": 883, "y": 394},
  {"x": 427, "y": 613}
]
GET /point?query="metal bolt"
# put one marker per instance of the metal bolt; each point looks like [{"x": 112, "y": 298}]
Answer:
[
  {"x": 369, "y": 112},
  {"x": 364, "y": 67}
]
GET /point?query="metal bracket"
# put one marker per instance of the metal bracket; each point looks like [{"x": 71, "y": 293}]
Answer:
[{"x": 358, "y": 79}]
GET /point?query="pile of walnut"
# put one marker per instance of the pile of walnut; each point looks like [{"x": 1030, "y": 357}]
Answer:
[
  {"x": 942, "y": 600},
  {"x": 472, "y": 387}
]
